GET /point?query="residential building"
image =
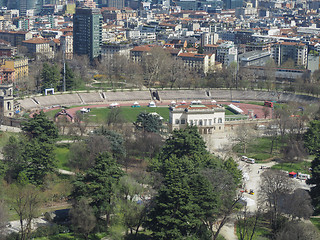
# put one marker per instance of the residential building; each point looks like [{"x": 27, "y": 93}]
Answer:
[
  {"x": 200, "y": 63},
  {"x": 66, "y": 45},
  {"x": 7, "y": 75},
  {"x": 137, "y": 52},
  {"x": 20, "y": 67},
  {"x": 38, "y": 47},
  {"x": 209, "y": 118},
  {"x": 87, "y": 32},
  {"x": 227, "y": 53},
  {"x": 209, "y": 38},
  {"x": 15, "y": 38},
  {"x": 110, "y": 49},
  {"x": 284, "y": 51}
]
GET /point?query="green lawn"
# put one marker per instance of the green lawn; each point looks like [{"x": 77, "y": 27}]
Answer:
[
  {"x": 259, "y": 149},
  {"x": 302, "y": 167},
  {"x": 129, "y": 114},
  {"x": 316, "y": 222},
  {"x": 62, "y": 157},
  {"x": 261, "y": 232}
]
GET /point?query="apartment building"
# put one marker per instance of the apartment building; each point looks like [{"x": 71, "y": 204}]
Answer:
[
  {"x": 284, "y": 51},
  {"x": 227, "y": 53},
  {"x": 20, "y": 67},
  {"x": 66, "y": 44},
  {"x": 38, "y": 48},
  {"x": 200, "y": 63}
]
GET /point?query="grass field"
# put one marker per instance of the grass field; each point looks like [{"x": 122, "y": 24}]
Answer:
[
  {"x": 316, "y": 222},
  {"x": 129, "y": 114},
  {"x": 62, "y": 157},
  {"x": 259, "y": 149},
  {"x": 302, "y": 167}
]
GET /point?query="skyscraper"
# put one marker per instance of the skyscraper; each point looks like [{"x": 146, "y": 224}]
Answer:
[{"x": 87, "y": 32}]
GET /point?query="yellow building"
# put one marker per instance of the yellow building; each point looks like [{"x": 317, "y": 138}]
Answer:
[{"x": 20, "y": 66}]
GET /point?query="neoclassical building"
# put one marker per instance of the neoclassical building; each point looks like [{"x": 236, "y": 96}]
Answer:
[{"x": 209, "y": 118}]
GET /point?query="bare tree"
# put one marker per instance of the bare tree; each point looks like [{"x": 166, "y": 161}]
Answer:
[
  {"x": 25, "y": 201},
  {"x": 273, "y": 185},
  {"x": 243, "y": 135},
  {"x": 155, "y": 65},
  {"x": 266, "y": 112},
  {"x": 298, "y": 230},
  {"x": 115, "y": 117},
  {"x": 297, "y": 204}
]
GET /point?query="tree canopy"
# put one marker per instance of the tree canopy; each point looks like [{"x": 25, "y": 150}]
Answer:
[
  {"x": 312, "y": 137},
  {"x": 148, "y": 122}
]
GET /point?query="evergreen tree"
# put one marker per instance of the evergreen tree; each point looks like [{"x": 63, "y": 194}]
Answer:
[
  {"x": 315, "y": 179},
  {"x": 148, "y": 122},
  {"x": 50, "y": 76},
  {"x": 98, "y": 184},
  {"x": 40, "y": 127},
  {"x": 312, "y": 137},
  {"x": 70, "y": 78}
]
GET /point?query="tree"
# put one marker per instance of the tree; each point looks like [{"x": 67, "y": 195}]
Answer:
[
  {"x": 297, "y": 204},
  {"x": 266, "y": 112},
  {"x": 273, "y": 186},
  {"x": 155, "y": 65},
  {"x": 40, "y": 127},
  {"x": 298, "y": 230},
  {"x": 115, "y": 117},
  {"x": 133, "y": 203},
  {"x": 3, "y": 216},
  {"x": 312, "y": 137},
  {"x": 116, "y": 142},
  {"x": 190, "y": 200},
  {"x": 315, "y": 179},
  {"x": 12, "y": 153},
  {"x": 232, "y": 167},
  {"x": 50, "y": 76},
  {"x": 98, "y": 185},
  {"x": 70, "y": 78},
  {"x": 244, "y": 134},
  {"x": 25, "y": 201},
  {"x": 247, "y": 224},
  {"x": 82, "y": 218},
  {"x": 148, "y": 122}
]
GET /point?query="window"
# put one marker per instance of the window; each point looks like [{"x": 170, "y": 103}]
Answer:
[
  {"x": 200, "y": 122},
  {"x": 214, "y": 120},
  {"x": 205, "y": 122},
  {"x": 220, "y": 120},
  {"x": 177, "y": 121},
  {"x": 219, "y": 128},
  {"x": 210, "y": 122},
  {"x": 191, "y": 122},
  {"x": 195, "y": 122},
  {"x": 183, "y": 121}
]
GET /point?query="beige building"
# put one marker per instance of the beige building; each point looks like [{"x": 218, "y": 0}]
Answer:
[
  {"x": 39, "y": 47},
  {"x": 209, "y": 118},
  {"x": 66, "y": 43},
  {"x": 201, "y": 63},
  {"x": 20, "y": 67}
]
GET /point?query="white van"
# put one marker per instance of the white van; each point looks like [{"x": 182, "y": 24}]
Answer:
[
  {"x": 303, "y": 176},
  {"x": 251, "y": 160},
  {"x": 244, "y": 158}
]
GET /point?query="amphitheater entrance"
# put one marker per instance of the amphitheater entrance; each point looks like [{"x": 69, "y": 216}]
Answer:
[{"x": 63, "y": 116}]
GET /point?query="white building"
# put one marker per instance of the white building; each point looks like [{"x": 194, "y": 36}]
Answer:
[
  {"x": 209, "y": 118},
  {"x": 227, "y": 53}
]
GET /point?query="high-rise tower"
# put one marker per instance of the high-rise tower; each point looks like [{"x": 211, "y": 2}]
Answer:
[{"x": 87, "y": 32}]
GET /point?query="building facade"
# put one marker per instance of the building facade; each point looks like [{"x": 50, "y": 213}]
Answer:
[
  {"x": 209, "y": 118},
  {"x": 38, "y": 48},
  {"x": 284, "y": 51},
  {"x": 20, "y": 67},
  {"x": 87, "y": 32},
  {"x": 227, "y": 53}
]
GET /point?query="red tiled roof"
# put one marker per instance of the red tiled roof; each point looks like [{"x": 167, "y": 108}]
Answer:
[{"x": 36, "y": 41}]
